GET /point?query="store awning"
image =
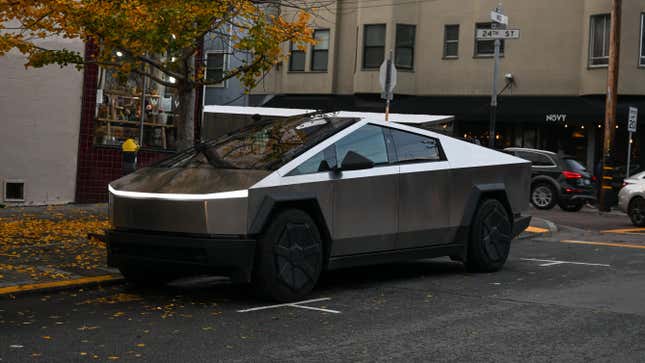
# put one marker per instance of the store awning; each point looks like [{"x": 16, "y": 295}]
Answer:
[{"x": 531, "y": 109}]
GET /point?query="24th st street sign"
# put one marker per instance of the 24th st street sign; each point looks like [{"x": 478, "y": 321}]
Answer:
[{"x": 490, "y": 34}]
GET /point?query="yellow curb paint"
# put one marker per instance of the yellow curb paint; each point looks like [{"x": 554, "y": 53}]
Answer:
[
  {"x": 610, "y": 244},
  {"x": 64, "y": 283},
  {"x": 532, "y": 229},
  {"x": 625, "y": 230}
]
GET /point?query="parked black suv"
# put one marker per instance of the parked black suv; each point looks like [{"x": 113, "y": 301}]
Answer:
[{"x": 556, "y": 179}]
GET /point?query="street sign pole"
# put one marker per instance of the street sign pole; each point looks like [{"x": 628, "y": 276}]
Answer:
[
  {"x": 629, "y": 153},
  {"x": 631, "y": 127},
  {"x": 387, "y": 79},
  {"x": 388, "y": 82},
  {"x": 493, "y": 101}
]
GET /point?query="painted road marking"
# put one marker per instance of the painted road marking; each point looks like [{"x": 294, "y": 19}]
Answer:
[
  {"x": 556, "y": 262},
  {"x": 532, "y": 229},
  {"x": 625, "y": 231},
  {"x": 298, "y": 304},
  {"x": 54, "y": 284},
  {"x": 610, "y": 244}
]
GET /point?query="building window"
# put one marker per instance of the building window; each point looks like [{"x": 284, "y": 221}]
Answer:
[
  {"x": 320, "y": 50},
  {"x": 297, "y": 58},
  {"x": 404, "y": 53},
  {"x": 373, "y": 45},
  {"x": 14, "y": 191},
  {"x": 135, "y": 107},
  {"x": 599, "y": 40},
  {"x": 485, "y": 48},
  {"x": 451, "y": 41},
  {"x": 641, "y": 61},
  {"x": 215, "y": 67}
]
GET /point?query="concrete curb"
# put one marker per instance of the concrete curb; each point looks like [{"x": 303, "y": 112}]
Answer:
[
  {"x": 542, "y": 228},
  {"x": 53, "y": 286}
]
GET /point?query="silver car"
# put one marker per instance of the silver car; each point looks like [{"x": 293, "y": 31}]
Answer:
[
  {"x": 278, "y": 202},
  {"x": 631, "y": 198}
]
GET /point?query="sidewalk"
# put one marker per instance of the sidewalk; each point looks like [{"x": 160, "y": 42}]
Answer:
[{"x": 48, "y": 247}]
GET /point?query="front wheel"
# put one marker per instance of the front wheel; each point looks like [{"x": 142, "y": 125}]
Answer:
[
  {"x": 289, "y": 257},
  {"x": 490, "y": 237},
  {"x": 636, "y": 211},
  {"x": 571, "y": 206}
]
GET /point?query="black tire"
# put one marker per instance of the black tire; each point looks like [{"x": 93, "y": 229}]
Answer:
[
  {"x": 289, "y": 257},
  {"x": 145, "y": 276},
  {"x": 543, "y": 196},
  {"x": 636, "y": 211},
  {"x": 490, "y": 237},
  {"x": 569, "y": 206}
]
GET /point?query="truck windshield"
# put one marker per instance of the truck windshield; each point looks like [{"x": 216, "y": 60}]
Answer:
[{"x": 264, "y": 145}]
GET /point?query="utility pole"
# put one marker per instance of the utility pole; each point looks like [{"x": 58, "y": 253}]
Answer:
[{"x": 610, "y": 106}]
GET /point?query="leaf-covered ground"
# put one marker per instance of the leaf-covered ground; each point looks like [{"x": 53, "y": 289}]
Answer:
[{"x": 40, "y": 244}]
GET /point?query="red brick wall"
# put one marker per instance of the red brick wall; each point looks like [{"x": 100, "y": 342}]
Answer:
[{"x": 98, "y": 165}]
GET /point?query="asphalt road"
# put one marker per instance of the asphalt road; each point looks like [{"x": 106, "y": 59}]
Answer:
[{"x": 587, "y": 307}]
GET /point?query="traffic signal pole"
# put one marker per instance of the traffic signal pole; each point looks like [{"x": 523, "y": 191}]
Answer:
[{"x": 610, "y": 106}]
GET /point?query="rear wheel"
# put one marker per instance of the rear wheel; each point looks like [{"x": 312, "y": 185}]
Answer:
[
  {"x": 636, "y": 211},
  {"x": 569, "y": 206},
  {"x": 289, "y": 257},
  {"x": 543, "y": 196},
  {"x": 490, "y": 237}
]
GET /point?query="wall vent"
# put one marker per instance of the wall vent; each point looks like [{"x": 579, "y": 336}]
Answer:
[{"x": 14, "y": 190}]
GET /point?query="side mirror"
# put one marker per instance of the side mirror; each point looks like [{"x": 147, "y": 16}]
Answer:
[{"x": 355, "y": 161}]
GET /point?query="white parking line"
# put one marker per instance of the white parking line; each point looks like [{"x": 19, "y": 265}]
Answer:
[
  {"x": 556, "y": 262},
  {"x": 297, "y": 304},
  {"x": 313, "y": 308}
]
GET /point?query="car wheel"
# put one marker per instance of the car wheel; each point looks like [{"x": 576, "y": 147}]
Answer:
[
  {"x": 145, "y": 277},
  {"x": 571, "y": 206},
  {"x": 636, "y": 211},
  {"x": 490, "y": 237},
  {"x": 289, "y": 257},
  {"x": 543, "y": 196}
]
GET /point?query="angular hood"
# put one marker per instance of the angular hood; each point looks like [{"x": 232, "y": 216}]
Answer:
[{"x": 188, "y": 180}]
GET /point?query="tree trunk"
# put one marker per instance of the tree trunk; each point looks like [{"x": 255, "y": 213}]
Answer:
[{"x": 186, "y": 122}]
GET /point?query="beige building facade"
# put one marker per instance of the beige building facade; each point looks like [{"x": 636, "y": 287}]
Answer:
[
  {"x": 553, "y": 77},
  {"x": 40, "y": 129}
]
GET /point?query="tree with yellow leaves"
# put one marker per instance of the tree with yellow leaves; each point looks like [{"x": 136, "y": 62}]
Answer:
[{"x": 156, "y": 39}]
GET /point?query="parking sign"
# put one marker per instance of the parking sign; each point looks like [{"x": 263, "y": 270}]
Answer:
[{"x": 633, "y": 119}]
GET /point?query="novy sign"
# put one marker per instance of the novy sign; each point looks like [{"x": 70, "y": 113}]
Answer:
[{"x": 556, "y": 117}]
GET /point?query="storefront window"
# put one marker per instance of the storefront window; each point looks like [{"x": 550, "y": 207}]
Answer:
[{"x": 134, "y": 107}]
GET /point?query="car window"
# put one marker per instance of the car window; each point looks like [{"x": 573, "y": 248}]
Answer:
[
  {"x": 535, "y": 158},
  {"x": 414, "y": 147},
  {"x": 369, "y": 141},
  {"x": 574, "y": 165},
  {"x": 315, "y": 163}
]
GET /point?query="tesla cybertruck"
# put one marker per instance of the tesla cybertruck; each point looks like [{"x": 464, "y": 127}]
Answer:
[{"x": 279, "y": 201}]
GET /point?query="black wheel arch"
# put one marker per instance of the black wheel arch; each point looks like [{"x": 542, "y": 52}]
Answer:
[
  {"x": 546, "y": 180},
  {"x": 272, "y": 205},
  {"x": 634, "y": 198},
  {"x": 479, "y": 193}
]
